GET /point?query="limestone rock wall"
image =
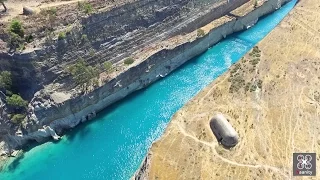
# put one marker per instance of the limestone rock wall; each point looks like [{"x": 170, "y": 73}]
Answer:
[
  {"x": 112, "y": 36},
  {"x": 80, "y": 109}
]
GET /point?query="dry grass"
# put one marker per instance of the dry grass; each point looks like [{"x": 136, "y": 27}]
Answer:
[{"x": 273, "y": 122}]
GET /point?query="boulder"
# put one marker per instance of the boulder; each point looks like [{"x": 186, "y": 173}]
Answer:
[{"x": 27, "y": 11}]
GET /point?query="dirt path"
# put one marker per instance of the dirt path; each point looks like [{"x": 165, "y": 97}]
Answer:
[{"x": 15, "y": 7}]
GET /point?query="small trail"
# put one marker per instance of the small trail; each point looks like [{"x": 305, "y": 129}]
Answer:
[{"x": 257, "y": 166}]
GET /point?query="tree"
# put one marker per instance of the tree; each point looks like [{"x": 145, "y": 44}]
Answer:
[
  {"x": 4, "y": 6},
  {"x": 107, "y": 66},
  {"x": 128, "y": 61},
  {"x": 16, "y": 27},
  {"x": 5, "y": 80},
  {"x": 18, "y": 118},
  {"x": 17, "y": 101},
  {"x": 83, "y": 74}
]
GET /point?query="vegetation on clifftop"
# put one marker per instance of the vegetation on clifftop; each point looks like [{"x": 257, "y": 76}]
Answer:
[{"x": 16, "y": 33}]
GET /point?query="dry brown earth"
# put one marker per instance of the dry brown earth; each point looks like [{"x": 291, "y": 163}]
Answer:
[{"x": 273, "y": 105}]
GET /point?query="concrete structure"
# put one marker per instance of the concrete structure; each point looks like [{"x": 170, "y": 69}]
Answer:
[{"x": 223, "y": 131}]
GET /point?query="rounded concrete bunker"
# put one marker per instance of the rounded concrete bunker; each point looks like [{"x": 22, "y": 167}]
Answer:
[{"x": 223, "y": 131}]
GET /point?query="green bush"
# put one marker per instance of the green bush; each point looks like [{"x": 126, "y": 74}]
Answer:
[
  {"x": 5, "y": 80},
  {"x": 8, "y": 93},
  {"x": 84, "y": 38},
  {"x": 83, "y": 74},
  {"x": 18, "y": 118},
  {"x": 86, "y": 7},
  {"x": 52, "y": 11},
  {"x": 17, "y": 101},
  {"x": 128, "y": 61},
  {"x": 107, "y": 66},
  {"x": 15, "y": 41},
  {"x": 247, "y": 87},
  {"x": 253, "y": 88},
  {"x": 200, "y": 33},
  {"x": 16, "y": 28},
  {"x": 62, "y": 35},
  {"x": 92, "y": 52},
  {"x": 21, "y": 47},
  {"x": 259, "y": 83}
]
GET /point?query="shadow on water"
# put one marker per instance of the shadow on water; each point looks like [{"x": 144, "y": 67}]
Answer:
[{"x": 15, "y": 163}]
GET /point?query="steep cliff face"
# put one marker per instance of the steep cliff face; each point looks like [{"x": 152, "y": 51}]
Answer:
[
  {"x": 120, "y": 31},
  {"x": 111, "y": 36},
  {"x": 72, "y": 111}
]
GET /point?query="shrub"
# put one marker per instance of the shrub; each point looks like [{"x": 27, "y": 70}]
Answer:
[
  {"x": 29, "y": 38},
  {"x": 83, "y": 74},
  {"x": 253, "y": 88},
  {"x": 84, "y": 38},
  {"x": 21, "y": 47},
  {"x": 15, "y": 41},
  {"x": 200, "y": 33},
  {"x": 85, "y": 7},
  {"x": 128, "y": 61},
  {"x": 254, "y": 62},
  {"x": 259, "y": 83},
  {"x": 5, "y": 80},
  {"x": 92, "y": 52},
  {"x": 62, "y": 35},
  {"x": 107, "y": 66},
  {"x": 17, "y": 101},
  {"x": 247, "y": 87},
  {"x": 52, "y": 11},
  {"x": 8, "y": 93},
  {"x": 16, "y": 28},
  {"x": 18, "y": 118}
]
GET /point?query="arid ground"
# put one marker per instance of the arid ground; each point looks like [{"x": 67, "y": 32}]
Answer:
[{"x": 272, "y": 99}]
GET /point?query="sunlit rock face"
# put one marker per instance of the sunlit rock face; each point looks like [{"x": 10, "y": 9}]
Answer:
[{"x": 113, "y": 35}]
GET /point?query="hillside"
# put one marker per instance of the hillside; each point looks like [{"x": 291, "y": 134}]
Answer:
[{"x": 271, "y": 98}]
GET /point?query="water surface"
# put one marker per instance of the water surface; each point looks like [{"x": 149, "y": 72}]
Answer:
[{"x": 113, "y": 145}]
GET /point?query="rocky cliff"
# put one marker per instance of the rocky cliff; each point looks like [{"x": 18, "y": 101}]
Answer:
[
  {"x": 40, "y": 74},
  {"x": 44, "y": 66}
]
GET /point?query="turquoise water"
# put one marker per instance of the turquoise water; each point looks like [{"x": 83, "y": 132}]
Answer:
[{"x": 114, "y": 144}]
